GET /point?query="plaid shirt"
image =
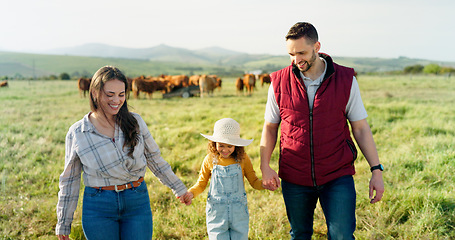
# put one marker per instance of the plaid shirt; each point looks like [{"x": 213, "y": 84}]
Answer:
[{"x": 104, "y": 162}]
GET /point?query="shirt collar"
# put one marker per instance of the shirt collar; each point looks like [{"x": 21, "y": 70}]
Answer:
[
  {"x": 87, "y": 126},
  {"x": 320, "y": 78}
]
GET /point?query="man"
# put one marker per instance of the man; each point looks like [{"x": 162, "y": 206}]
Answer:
[{"x": 312, "y": 99}]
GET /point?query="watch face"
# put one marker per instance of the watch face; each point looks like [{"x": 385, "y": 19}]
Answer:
[{"x": 381, "y": 167}]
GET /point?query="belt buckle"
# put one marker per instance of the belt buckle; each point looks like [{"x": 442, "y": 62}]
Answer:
[{"x": 118, "y": 190}]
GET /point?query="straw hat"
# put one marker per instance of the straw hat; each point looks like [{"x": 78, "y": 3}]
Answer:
[{"x": 227, "y": 130}]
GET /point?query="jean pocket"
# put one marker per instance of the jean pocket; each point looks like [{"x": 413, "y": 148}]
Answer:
[
  {"x": 216, "y": 212},
  {"x": 91, "y": 192},
  {"x": 141, "y": 188},
  {"x": 228, "y": 184},
  {"x": 209, "y": 209}
]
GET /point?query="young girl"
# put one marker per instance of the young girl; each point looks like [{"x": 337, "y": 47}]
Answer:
[{"x": 225, "y": 165}]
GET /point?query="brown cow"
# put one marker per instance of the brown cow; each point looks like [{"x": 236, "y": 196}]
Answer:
[
  {"x": 83, "y": 85},
  {"x": 148, "y": 86},
  {"x": 218, "y": 81},
  {"x": 264, "y": 78},
  {"x": 177, "y": 81},
  {"x": 163, "y": 85},
  {"x": 249, "y": 81},
  {"x": 207, "y": 84},
  {"x": 4, "y": 83},
  {"x": 130, "y": 87},
  {"x": 194, "y": 80},
  {"x": 239, "y": 86}
]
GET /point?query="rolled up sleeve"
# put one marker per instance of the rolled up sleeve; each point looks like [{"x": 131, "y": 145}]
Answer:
[{"x": 69, "y": 185}]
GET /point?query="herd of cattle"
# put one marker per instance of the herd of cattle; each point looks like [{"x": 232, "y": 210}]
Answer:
[
  {"x": 249, "y": 82},
  {"x": 168, "y": 83}
]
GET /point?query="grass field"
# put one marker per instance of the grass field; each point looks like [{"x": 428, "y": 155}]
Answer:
[{"x": 412, "y": 119}]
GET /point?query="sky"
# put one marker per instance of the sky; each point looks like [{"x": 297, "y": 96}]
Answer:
[{"x": 349, "y": 28}]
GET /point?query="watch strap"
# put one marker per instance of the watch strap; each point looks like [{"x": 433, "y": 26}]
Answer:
[{"x": 380, "y": 167}]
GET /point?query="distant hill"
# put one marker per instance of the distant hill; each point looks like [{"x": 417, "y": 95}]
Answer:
[
  {"x": 217, "y": 52},
  {"x": 158, "y": 53},
  {"x": 163, "y": 59}
]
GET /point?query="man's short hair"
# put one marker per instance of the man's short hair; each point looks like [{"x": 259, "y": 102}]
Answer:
[{"x": 305, "y": 30}]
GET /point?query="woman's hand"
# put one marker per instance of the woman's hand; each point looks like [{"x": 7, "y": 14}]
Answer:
[{"x": 186, "y": 198}]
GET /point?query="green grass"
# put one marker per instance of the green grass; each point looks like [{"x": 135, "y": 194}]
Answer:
[{"x": 412, "y": 119}]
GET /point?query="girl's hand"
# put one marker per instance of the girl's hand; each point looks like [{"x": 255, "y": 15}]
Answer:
[{"x": 186, "y": 198}]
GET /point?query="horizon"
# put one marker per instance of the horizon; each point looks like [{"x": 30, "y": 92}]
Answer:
[
  {"x": 52, "y": 52},
  {"x": 352, "y": 28}
]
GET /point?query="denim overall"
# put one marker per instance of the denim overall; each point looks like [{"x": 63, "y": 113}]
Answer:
[{"x": 227, "y": 209}]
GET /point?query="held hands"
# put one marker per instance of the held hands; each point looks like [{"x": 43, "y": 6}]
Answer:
[
  {"x": 186, "y": 198},
  {"x": 270, "y": 179}
]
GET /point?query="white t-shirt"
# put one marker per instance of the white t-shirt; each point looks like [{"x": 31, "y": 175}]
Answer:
[{"x": 355, "y": 110}]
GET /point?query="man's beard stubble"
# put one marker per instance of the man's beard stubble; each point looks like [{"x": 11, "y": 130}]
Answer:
[{"x": 310, "y": 63}]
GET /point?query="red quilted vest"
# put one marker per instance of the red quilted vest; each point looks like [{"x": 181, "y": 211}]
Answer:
[{"x": 315, "y": 146}]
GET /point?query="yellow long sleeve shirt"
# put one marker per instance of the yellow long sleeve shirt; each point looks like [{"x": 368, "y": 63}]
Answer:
[{"x": 207, "y": 167}]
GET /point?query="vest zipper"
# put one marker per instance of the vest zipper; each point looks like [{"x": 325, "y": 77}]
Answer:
[{"x": 313, "y": 176}]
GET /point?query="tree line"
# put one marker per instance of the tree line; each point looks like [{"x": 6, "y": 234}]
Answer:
[{"x": 428, "y": 69}]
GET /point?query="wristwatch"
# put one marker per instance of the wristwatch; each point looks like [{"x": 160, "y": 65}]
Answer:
[{"x": 380, "y": 167}]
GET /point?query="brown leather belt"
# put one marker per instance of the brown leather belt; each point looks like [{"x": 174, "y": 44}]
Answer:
[{"x": 119, "y": 188}]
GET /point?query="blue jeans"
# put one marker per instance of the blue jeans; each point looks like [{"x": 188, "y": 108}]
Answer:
[
  {"x": 337, "y": 198},
  {"x": 115, "y": 215}
]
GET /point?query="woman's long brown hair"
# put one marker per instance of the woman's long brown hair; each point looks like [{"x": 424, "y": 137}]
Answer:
[{"x": 128, "y": 124}]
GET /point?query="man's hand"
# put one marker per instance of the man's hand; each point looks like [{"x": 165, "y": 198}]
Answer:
[
  {"x": 376, "y": 184},
  {"x": 270, "y": 179}
]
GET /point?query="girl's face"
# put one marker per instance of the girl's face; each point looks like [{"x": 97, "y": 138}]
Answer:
[
  {"x": 112, "y": 97},
  {"x": 225, "y": 150}
]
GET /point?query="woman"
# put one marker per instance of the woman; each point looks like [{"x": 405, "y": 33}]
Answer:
[{"x": 112, "y": 147}]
